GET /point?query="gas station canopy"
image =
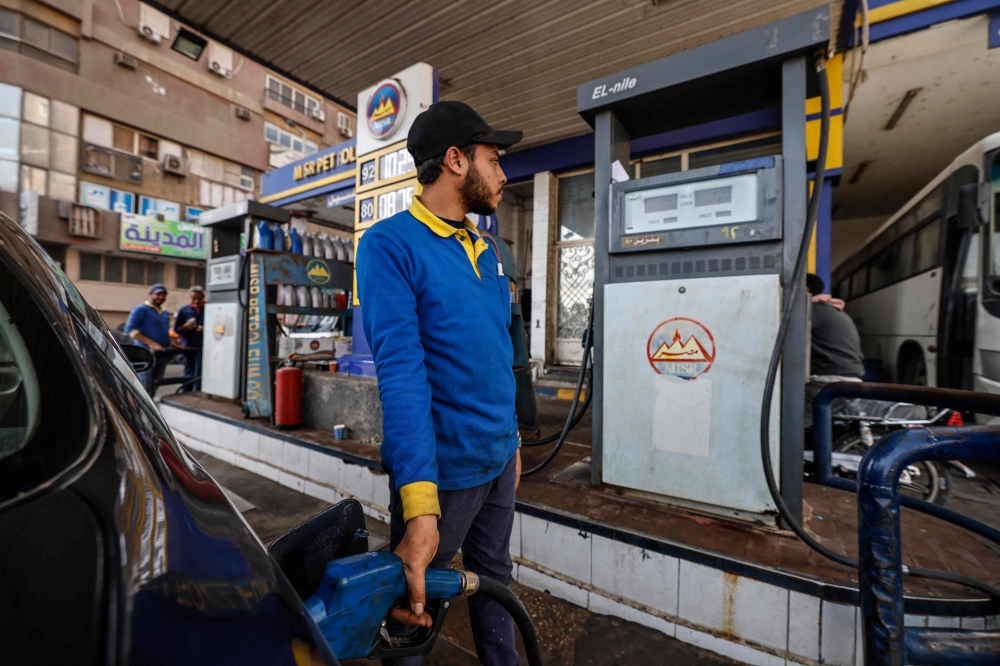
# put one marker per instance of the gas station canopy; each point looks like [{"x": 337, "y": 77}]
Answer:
[{"x": 518, "y": 63}]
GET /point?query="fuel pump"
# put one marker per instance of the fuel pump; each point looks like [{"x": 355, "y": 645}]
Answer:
[
  {"x": 693, "y": 272},
  {"x": 231, "y": 230}
]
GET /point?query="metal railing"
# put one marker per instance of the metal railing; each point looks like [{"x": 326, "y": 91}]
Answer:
[
  {"x": 963, "y": 401},
  {"x": 887, "y": 641}
]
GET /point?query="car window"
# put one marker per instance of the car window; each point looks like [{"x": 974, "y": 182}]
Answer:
[
  {"x": 19, "y": 393},
  {"x": 45, "y": 423}
]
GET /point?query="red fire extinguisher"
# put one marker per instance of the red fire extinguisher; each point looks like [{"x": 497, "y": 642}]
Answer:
[{"x": 288, "y": 397}]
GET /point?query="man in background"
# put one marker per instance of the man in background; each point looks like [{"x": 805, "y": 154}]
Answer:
[
  {"x": 148, "y": 324},
  {"x": 836, "y": 345},
  {"x": 190, "y": 325}
]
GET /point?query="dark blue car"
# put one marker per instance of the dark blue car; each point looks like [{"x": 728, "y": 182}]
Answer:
[{"x": 116, "y": 547}]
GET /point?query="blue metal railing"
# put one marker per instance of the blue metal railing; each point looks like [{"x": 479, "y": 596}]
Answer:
[
  {"x": 964, "y": 401},
  {"x": 887, "y": 641}
]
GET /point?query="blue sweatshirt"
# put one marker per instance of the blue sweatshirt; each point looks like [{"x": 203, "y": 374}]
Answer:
[
  {"x": 435, "y": 311},
  {"x": 151, "y": 321}
]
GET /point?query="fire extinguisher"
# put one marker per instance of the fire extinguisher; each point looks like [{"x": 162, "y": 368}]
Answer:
[{"x": 288, "y": 397}]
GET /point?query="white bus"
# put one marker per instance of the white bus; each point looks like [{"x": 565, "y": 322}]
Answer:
[{"x": 924, "y": 290}]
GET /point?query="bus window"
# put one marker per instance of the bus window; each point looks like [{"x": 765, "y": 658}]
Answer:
[
  {"x": 883, "y": 268},
  {"x": 904, "y": 268},
  {"x": 927, "y": 246},
  {"x": 859, "y": 282}
]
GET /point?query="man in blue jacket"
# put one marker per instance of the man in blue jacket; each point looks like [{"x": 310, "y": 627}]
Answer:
[
  {"x": 435, "y": 308},
  {"x": 148, "y": 324},
  {"x": 190, "y": 326}
]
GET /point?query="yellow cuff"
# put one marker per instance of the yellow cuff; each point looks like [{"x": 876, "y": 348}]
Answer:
[
  {"x": 134, "y": 332},
  {"x": 419, "y": 499},
  {"x": 301, "y": 652}
]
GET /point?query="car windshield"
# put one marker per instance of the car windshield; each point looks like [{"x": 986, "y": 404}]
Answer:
[{"x": 19, "y": 393}]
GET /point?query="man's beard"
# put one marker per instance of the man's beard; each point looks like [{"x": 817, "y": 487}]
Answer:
[{"x": 476, "y": 194}]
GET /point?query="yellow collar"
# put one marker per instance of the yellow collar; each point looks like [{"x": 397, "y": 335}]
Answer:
[
  {"x": 158, "y": 309},
  {"x": 473, "y": 248},
  {"x": 435, "y": 223}
]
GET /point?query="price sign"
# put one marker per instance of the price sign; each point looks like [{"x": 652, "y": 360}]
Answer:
[
  {"x": 395, "y": 164},
  {"x": 367, "y": 210},
  {"x": 368, "y": 172},
  {"x": 391, "y": 203}
]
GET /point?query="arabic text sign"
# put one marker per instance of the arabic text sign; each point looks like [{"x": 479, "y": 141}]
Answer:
[{"x": 141, "y": 233}]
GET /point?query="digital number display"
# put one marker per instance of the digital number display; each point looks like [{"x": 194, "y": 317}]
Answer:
[
  {"x": 661, "y": 204},
  {"x": 368, "y": 172},
  {"x": 713, "y": 196},
  {"x": 395, "y": 164},
  {"x": 391, "y": 203}
]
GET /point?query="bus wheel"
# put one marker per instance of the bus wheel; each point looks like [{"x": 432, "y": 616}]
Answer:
[{"x": 912, "y": 367}]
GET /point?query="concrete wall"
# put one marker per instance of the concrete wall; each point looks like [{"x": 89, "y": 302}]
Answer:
[{"x": 330, "y": 399}]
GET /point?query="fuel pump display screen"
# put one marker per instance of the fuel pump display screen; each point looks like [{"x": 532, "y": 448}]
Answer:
[{"x": 704, "y": 203}]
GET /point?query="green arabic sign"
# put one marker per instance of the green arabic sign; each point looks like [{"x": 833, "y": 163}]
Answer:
[{"x": 169, "y": 238}]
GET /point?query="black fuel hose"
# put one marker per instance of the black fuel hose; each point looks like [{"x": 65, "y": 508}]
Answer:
[
  {"x": 587, "y": 361},
  {"x": 576, "y": 419},
  {"x": 798, "y": 278},
  {"x": 501, "y": 594}
]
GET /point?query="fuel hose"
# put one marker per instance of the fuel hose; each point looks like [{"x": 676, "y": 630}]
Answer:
[
  {"x": 570, "y": 420},
  {"x": 798, "y": 278},
  {"x": 501, "y": 594}
]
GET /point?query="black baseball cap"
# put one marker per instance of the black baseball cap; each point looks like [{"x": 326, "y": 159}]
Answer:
[{"x": 448, "y": 124}]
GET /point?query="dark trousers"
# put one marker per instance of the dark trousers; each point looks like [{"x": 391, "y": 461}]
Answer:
[
  {"x": 150, "y": 378},
  {"x": 478, "y": 520},
  {"x": 192, "y": 368}
]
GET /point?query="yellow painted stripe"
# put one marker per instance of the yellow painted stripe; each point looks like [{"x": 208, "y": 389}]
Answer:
[
  {"x": 344, "y": 175},
  {"x": 835, "y": 75},
  {"x": 835, "y": 151},
  {"x": 567, "y": 394},
  {"x": 901, "y": 8}
]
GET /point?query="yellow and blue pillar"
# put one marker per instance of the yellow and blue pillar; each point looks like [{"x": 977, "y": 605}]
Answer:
[{"x": 820, "y": 244}]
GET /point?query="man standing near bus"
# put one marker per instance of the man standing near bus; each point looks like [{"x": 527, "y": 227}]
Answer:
[{"x": 435, "y": 309}]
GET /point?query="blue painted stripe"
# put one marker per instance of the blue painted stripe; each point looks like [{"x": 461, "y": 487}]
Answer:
[
  {"x": 911, "y": 22},
  {"x": 747, "y": 165},
  {"x": 578, "y": 152},
  {"x": 344, "y": 186},
  {"x": 817, "y": 116}
]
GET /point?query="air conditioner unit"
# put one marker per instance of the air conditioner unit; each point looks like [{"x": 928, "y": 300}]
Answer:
[
  {"x": 319, "y": 114},
  {"x": 220, "y": 60},
  {"x": 242, "y": 114},
  {"x": 126, "y": 61},
  {"x": 344, "y": 124},
  {"x": 154, "y": 25},
  {"x": 175, "y": 165}
]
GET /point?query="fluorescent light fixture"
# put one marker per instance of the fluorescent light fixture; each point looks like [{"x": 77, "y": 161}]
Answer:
[
  {"x": 905, "y": 102},
  {"x": 189, "y": 44}
]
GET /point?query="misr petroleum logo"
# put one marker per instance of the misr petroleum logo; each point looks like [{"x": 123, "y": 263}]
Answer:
[
  {"x": 385, "y": 108},
  {"x": 681, "y": 347},
  {"x": 318, "y": 272}
]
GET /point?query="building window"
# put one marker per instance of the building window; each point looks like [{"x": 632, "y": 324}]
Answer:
[
  {"x": 117, "y": 270},
  {"x": 149, "y": 147},
  {"x": 291, "y": 97},
  {"x": 41, "y": 147},
  {"x": 90, "y": 266},
  {"x": 123, "y": 140},
  {"x": 39, "y": 41},
  {"x": 189, "y": 276},
  {"x": 276, "y": 135}
]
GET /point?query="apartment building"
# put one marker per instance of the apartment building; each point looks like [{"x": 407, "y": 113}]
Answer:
[{"x": 116, "y": 117}]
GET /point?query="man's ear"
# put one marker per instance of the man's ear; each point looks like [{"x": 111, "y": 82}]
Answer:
[{"x": 455, "y": 161}]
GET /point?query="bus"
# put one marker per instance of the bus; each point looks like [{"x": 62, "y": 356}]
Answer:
[{"x": 924, "y": 290}]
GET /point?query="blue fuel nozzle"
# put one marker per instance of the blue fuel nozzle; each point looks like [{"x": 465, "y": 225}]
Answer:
[{"x": 357, "y": 593}]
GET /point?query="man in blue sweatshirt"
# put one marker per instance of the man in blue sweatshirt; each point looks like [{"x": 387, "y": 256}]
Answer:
[{"x": 435, "y": 308}]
